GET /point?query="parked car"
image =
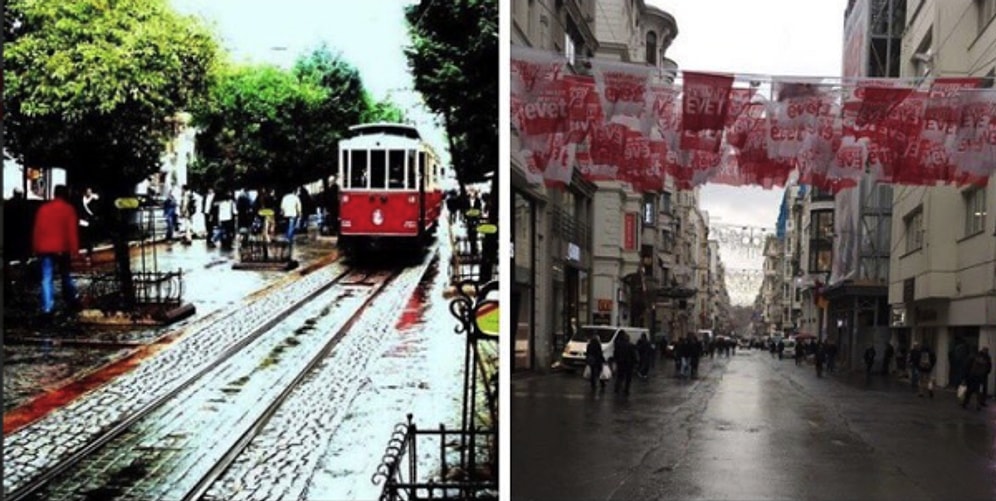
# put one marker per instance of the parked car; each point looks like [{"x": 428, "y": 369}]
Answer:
[
  {"x": 574, "y": 352},
  {"x": 789, "y": 348}
]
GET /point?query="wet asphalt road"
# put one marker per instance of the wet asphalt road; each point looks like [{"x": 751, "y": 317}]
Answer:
[{"x": 750, "y": 427}]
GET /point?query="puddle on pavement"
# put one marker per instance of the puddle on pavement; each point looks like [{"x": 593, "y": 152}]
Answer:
[{"x": 414, "y": 312}]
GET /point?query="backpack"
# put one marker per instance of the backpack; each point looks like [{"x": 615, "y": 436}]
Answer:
[{"x": 924, "y": 360}]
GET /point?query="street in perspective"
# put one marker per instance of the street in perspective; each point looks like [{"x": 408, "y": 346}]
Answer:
[
  {"x": 753, "y": 257},
  {"x": 259, "y": 259}
]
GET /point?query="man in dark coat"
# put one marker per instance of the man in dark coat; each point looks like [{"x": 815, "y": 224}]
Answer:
[
  {"x": 925, "y": 363},
  {"x": 977, "y": 371},
  {"x": 869, "y": 361},
  {"x": 595, "y": 359},
  {"x": 887, "y": 359},
  {"x": 695, "y": 350},
  {"x": 626, "y": 358}
]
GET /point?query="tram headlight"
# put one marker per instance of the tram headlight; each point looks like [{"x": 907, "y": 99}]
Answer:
[{"x": 377, "y": 217}]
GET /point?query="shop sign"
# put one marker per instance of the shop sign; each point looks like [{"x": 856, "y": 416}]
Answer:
[
  {"x": 604, "y": 305},
  {"x": 629, "y": 231}
]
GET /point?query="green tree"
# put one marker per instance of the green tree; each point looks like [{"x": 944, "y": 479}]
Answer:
[
  {"x": 90, "y": 85},
  {"x": 255, "y": 127},
  {"x": 384, "y": 110},
  {"x": 345, "y": 104},
  {"x": 263, "y": 126},
  {"x": 454, "y": 60}
]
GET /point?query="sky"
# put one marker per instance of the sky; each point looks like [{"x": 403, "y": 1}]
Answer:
[
  {"x": 369, "y": 34},
  {"x": 763, "y": 37}
]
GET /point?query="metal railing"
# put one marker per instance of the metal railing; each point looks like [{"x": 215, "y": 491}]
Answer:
[{"x": 399, "y": 468}]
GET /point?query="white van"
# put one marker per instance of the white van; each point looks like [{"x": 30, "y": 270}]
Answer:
[{"x": 574, "y": 352}]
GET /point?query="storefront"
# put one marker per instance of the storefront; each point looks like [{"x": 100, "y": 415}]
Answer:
[{"x": 522, "y": 292}]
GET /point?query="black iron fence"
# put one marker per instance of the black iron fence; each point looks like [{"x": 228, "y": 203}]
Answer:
[
  {"x": 255, "y": 249},
  {"x": 105, "y": 291},
  {"x": 449, "y": 479}
]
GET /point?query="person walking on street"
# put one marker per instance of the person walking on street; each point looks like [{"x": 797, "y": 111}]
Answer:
[
  {"x": 209, "y": 217},
  {"x": 595, "y": 359},
  {"x": 977, "y": 371},
  {"x": 912, "y": 361},
  {"x": 88, "y": 220},
  {"x": 869, "y": 362},
  {"x": 925, "y": 362},
  {"x": 831, "y": 350},
  {"x": 887, "y": 358},
  {"x": 225, "y": 213},
  {"x": 780, "y": 349},
  {"x": 800, "y": 354},
  {"x": 188, "y": 208},
  {"x": 646, "y": 352},
  {"x": 169, "y": 213},
  {"x": 55, "y": 241},
  {"x": 694, "y": 354},
  {"x": 626, "y": 357},
  {"x": 290, "y": 207}
]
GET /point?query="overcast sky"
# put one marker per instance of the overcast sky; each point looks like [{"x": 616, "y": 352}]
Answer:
[
  {"x": 370, "y": 34},
  {"x": 766, "y": 37}
]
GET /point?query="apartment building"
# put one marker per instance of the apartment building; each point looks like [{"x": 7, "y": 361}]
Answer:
[
  {"x": 942, "y": 271},
  {"x": 551, "y": 228},
  {"x": 602, "y": 252}
]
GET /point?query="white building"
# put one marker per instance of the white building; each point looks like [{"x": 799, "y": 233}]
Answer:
[{"x": 942, "y": 272}]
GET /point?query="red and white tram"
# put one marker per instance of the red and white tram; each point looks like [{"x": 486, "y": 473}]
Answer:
[{"x": 390, "y": 195}]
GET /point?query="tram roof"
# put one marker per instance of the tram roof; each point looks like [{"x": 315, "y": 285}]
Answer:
[{"x": 397, "y": 129}]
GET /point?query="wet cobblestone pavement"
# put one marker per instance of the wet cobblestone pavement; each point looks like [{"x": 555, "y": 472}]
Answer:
[
  {"x": 52, "y": 438},
  {"x": 53, "y": 354},
  {"x": 323, "y": 443}
]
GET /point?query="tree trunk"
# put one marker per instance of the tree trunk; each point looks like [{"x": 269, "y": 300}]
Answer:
[{"x": 120, "y": 234}]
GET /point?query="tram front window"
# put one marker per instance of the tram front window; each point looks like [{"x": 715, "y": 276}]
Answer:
[
  {"x": 358, "y": 169},
  {"x": 396, "y": 169},
  {"x": 378, "y": 169}
]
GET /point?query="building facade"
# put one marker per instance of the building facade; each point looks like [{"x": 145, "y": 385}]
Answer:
[
  {"x": 604, "y": 253},
  {"x": 942, "y": 272}
]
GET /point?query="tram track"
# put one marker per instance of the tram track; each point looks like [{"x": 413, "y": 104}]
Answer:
[{"x": 347, "y": 279}]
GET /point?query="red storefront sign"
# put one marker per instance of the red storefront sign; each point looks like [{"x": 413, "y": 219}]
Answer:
[{"x": 629, "y": 231}]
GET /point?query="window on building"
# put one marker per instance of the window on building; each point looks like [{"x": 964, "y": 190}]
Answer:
[
  {"x": 569, "y": 51},
  {"x": 987, "y": 9},
  {"x": 914, "y": 230},
  {"x": 975, "y": 211},
  {"x": 649, "y": 211},
  {"x": 652, "y": 48},
  {"x": 821, "y": 226},
  {"x": 666, "y": 202}
]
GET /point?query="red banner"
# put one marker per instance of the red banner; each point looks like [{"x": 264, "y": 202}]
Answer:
[
  {"x": 629, "y": 231},
  {"x": 616, "y": 126},
  {"x": 622, "y": 87},
  {"x": 705, "y": 101}
]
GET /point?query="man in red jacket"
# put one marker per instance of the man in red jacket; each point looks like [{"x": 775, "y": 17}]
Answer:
[{"x": 56, "y": 239}]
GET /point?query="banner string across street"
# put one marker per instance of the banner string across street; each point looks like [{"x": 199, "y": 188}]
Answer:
[{"x": 628, "y": 122}]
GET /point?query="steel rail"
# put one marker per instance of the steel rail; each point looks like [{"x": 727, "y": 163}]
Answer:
[
  {"x": 43, "y": 479},
  {"x": 219, "y": 468}
]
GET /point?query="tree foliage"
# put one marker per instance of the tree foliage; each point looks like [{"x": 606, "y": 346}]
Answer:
[
  {"x": 253, "y": 127},
  {"x": 264, "y": 126},
  {"x": 454, "y": 60},
  {"x": 384, "y": 110},
  {"x": 91, "y": 85}
]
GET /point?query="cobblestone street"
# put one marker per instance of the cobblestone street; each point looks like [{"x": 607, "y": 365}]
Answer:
[{"x": 389, "y": 362}]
